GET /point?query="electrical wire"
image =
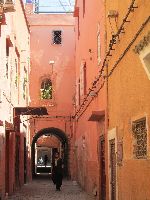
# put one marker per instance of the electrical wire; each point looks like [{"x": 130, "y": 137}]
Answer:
[
  {"x": 62, "y": 5},
  {"x": 111, "y": 44},
  {"x": 53, "y": 6},
  {"x": 129, "y": 46}
]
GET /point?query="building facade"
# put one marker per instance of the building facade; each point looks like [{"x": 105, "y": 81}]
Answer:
[
  {"x": 14, "y": 67},
  {"x": 90, "y": 110},
  {"x": 128, "y": 93},
  {"x": 52, "y": 76},
  {"x": 78, "y": 85}
]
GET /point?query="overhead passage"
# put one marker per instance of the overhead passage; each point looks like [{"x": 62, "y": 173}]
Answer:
[{"x": 30, "y": 111}]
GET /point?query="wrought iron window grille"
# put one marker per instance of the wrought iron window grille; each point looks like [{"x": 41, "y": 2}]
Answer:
[
  {"x": 140, "y": 139},
  {"x": 57, "y": 37}
]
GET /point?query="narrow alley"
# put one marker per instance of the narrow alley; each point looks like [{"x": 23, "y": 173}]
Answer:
[
  {"x": 43, "y": 189},
  {"x": 74, "y": 99}
]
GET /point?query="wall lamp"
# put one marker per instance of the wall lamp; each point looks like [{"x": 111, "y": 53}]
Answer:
[
  {"x": 92, "y": 94},
  {"x": 52, "y": 62}
]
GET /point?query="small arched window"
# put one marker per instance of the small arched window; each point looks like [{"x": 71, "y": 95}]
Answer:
[{"x": 46, "y": 89}]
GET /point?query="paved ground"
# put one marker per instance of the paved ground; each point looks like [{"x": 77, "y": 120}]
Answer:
[{"x": 43, "y": 189}]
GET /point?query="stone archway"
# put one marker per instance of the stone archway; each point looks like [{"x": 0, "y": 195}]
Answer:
[{"x": 57, "y": 133}]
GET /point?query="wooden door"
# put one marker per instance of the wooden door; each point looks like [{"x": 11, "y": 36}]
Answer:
[
  {"x": 112, "y": 169},
  {"x": 25, "y": 161},
  {"x": 17, "y": 147},
  {"x": 7, "y": 163},
  {"x": 102, "y": 169}
]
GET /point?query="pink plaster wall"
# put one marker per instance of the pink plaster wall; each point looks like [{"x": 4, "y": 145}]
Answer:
[
  {"x": 129, "y": 99},
  {"x": 42, "y": 51},
  {"x": 63, "y": 73},
  {"x": 12, "y": 95},
  {"x": 87, "y": 133}
]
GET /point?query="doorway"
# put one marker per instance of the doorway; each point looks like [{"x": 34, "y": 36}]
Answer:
[
  {"x": 112, "y": 169},
  {"x": 7, "y": 149},
  {"x": 102, "y": 169},
  {"x": 17, "y": 155},
  {"x": 25, "y": 161},
  {"x": 61, "y": 136}
]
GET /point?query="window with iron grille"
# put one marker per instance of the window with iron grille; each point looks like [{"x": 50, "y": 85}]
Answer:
[
  {"x": 57, "y": 37},
  {"x": 46, "y": 89},
  {"x": 140, "y": 138}
]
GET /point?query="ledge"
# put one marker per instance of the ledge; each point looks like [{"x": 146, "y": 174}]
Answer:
[{"x": 96, "y": 115}]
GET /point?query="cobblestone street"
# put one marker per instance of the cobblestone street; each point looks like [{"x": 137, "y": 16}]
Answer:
[{"x": 43, "y": 189}]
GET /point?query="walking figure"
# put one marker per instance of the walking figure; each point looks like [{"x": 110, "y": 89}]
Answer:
[
  {"x": 45, "y": 160},
  {"x": 57, "y": 171}
]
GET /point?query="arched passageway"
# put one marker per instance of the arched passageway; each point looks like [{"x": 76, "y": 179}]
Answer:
[{"x": 62, "y": 138}]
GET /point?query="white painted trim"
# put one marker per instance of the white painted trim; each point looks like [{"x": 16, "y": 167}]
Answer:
[{"x": 142, "y": 55}]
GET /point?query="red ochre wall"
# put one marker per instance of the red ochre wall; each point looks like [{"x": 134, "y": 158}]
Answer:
[
  {"x": 90, "y": 16},
  {"x": 62, "y": 75}
]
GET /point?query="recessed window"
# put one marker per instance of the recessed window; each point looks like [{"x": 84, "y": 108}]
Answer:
[
  {"x": 140, "y": 138},
  {"x": 46, "y": 89},
  {"x": 83, "y": 78},
  {"x": 57, "y": 37},
  {"x": 77, "y": 92},
  {"x": 98, "y": 48},
  {"x": 7, "y": 58},
  {"x": 16, "y": 77},
  {"x": 7, "y": 61},
  {"x": 143, "y": 50},
  {"x": 25, "y": 83},
  {"x": 146, "y": 60}
]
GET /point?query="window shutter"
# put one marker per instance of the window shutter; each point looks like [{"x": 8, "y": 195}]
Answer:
[
  {"x": 77, "y": 92},
  {"x": 98, "y": 48},
  {"x": 83, "y": 79}
]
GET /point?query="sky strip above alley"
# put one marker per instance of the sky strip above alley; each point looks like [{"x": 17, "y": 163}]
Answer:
[{"x": 53, "y": 5}]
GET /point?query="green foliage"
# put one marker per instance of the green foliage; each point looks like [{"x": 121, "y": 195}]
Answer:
[
  {"x": 16, "y": 80},
  {"x": 46, "y": 93}
]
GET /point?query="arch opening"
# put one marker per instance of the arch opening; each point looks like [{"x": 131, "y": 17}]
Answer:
[{"x": 61, "y": 136}]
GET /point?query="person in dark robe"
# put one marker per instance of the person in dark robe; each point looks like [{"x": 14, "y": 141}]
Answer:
[
  {"x": 57, "y": 171},
  {"x": 45, "y": 160}
]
